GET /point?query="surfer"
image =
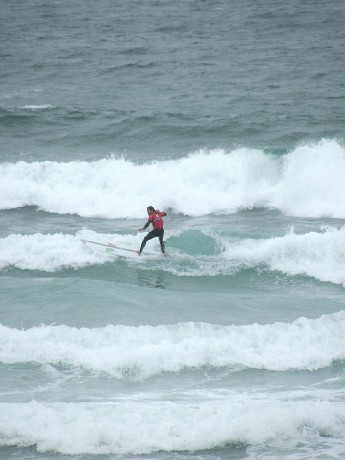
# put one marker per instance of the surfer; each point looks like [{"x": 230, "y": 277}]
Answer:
[{"x": 155, "y": 218}]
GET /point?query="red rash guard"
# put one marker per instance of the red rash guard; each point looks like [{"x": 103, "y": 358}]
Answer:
[{"x": 156, "y": 220}]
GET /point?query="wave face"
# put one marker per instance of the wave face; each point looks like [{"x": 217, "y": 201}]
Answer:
[{"x": 305, "y": 182}]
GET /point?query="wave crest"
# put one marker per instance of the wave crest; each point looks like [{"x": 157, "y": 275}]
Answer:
[{"x": 306, "y": 182}]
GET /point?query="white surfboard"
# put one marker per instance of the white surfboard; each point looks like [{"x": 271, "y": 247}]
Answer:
[{"x": 118, "y": 250}]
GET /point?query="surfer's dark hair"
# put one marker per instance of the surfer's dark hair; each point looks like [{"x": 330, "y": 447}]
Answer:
[{"x": 151, "y": 208}]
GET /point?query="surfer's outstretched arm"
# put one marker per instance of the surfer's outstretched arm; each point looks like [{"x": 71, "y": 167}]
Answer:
[{"x": 145, "y": 226}]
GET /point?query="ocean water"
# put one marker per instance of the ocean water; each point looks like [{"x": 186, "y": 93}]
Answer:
[{"x": 230, "y": 117}]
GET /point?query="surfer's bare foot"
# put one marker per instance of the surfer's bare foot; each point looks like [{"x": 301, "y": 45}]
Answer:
[{"x": 139, "y": 253}]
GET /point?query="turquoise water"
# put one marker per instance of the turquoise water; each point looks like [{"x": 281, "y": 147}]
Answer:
[{"x": 229, "y": 117}]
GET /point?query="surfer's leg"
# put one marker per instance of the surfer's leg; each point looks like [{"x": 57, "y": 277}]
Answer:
[
  {"x": 148, "y": 237},
  {"x": 161, "y": 241},
  {"x": 143, "y": 244}
]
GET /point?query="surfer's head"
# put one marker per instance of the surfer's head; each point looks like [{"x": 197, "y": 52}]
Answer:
[{"x": 150, "y": 209}]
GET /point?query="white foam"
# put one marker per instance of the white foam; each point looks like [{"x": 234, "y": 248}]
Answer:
[
  {"x": 143, "y": 351},
  {"x": 320, "y": 255},
  {"x": 46, "y": 252},
  {"x": 53, "y": 252},
  {"x": 37, "y": 107},
  {"x": 312, "y": 181},
  {"x": 143, "y": 426},
  {"x": 306, "y": 182}
]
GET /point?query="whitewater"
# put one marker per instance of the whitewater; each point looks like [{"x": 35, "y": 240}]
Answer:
[
  {"x": 318, "y": 254},
  {"x": 145, "y": 350},
  {"x": 307, "y": 182}
]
